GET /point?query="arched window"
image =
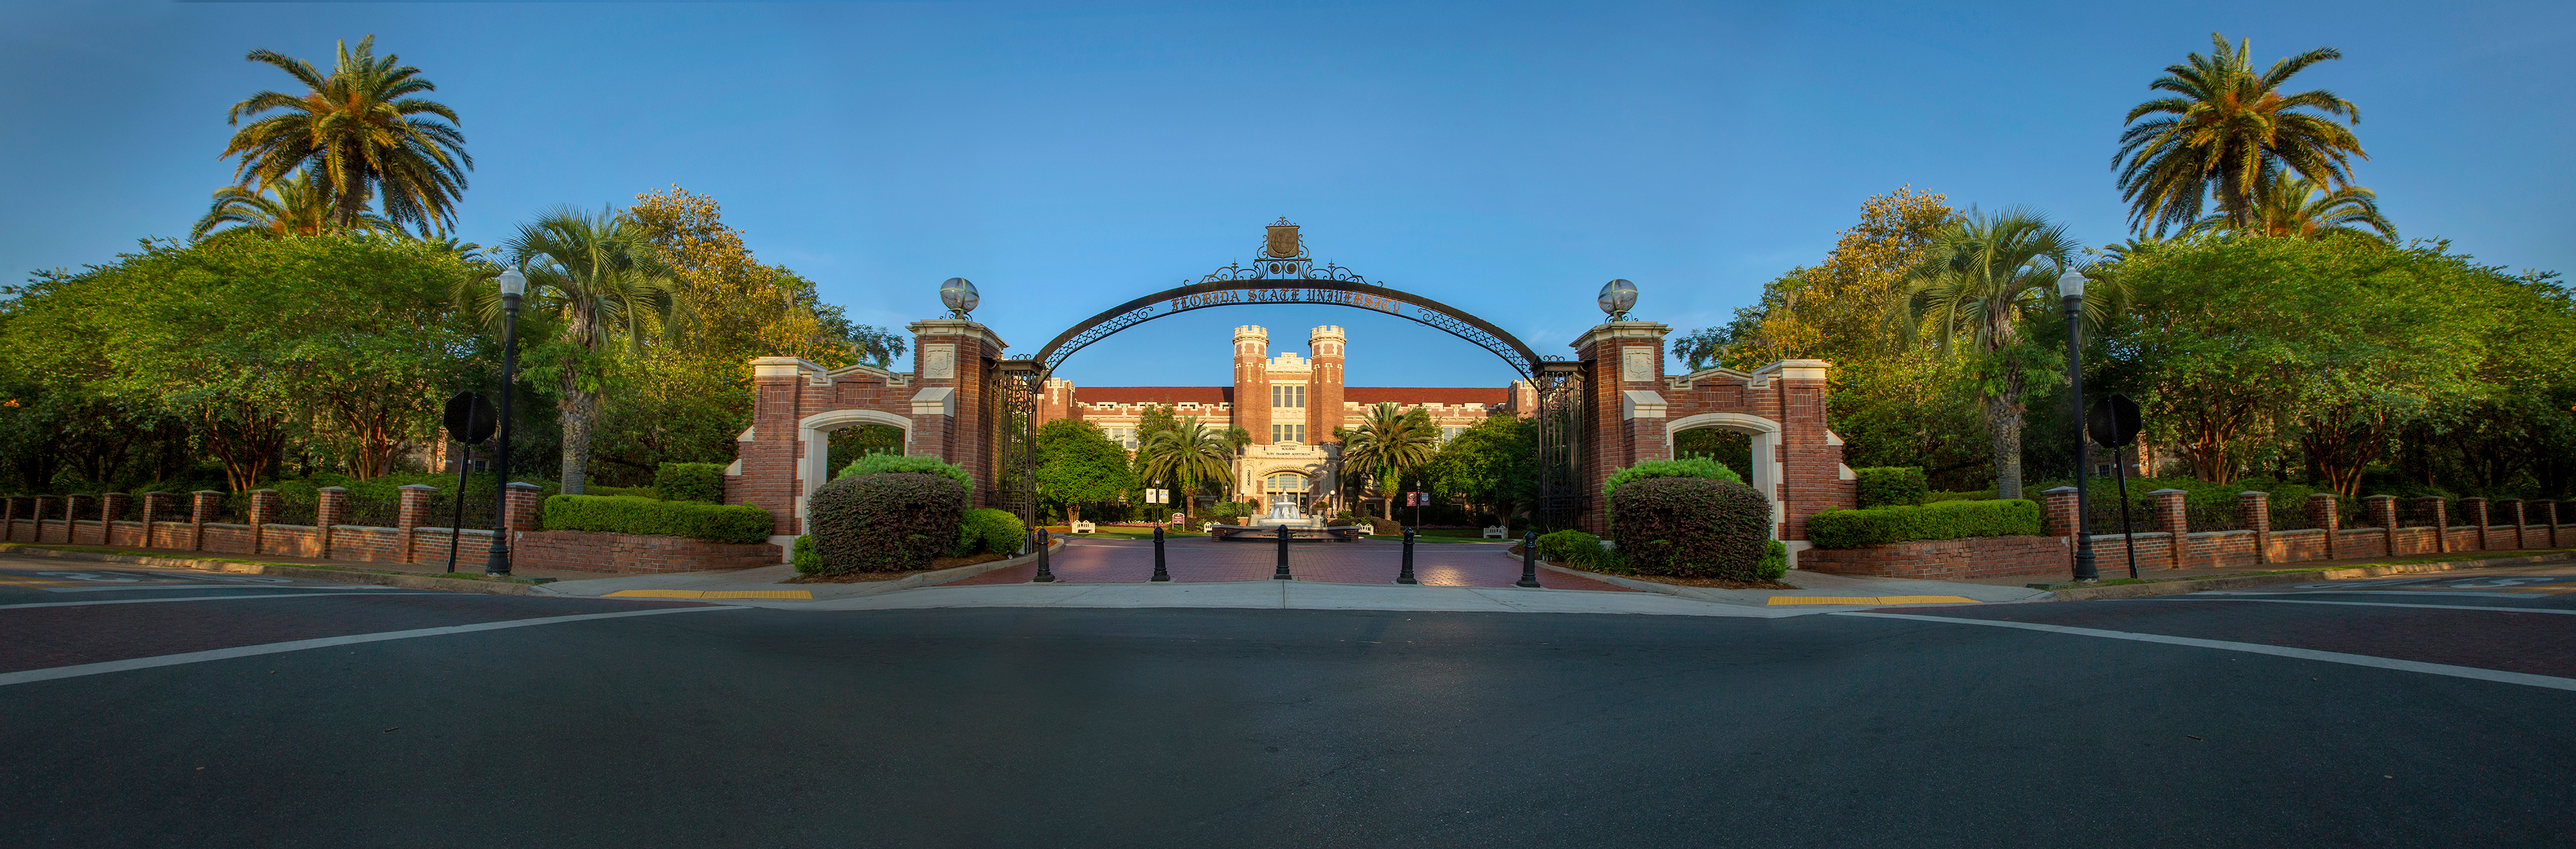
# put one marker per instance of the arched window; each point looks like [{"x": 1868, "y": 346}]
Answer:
[{"x": 1286, "y": 482}]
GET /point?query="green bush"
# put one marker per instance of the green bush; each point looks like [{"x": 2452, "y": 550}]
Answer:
[
  {"x": 1561, "y": 545},
  {"x": 691, "y": 481},
  {"x": 1937, "y": 520},
  {"x": 1888, "y": 486},
  {"x": 884, "y": 522},
  {"x": 1692, "y": 527},
  {"x": 1775, "y": 561},
  {"x": 897, "y": 464},
  {"x": 637, "y": 491},
  {"x": 1687, "y": 467},
  {"x": 807, "y": 562},
  {"x": 988, "y": 530},
  {"x": 1231, "y": 509},
  {"x": 627, "y": 514}
]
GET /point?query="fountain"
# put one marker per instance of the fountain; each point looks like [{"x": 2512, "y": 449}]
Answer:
[{"x": 1284, "y": 513}]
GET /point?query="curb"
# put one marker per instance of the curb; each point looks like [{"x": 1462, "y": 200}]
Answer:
[
  {"x": 931, "y": 579},
  {"x": 2199, "y": 584},
  {"x": 344, "y": 576}
]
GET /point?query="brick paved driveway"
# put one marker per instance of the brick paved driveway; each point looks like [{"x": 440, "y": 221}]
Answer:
[{"x": 1198, "y": 559}]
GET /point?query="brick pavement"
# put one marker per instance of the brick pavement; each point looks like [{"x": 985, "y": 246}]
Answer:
[{"x": 1199, "y": 560}]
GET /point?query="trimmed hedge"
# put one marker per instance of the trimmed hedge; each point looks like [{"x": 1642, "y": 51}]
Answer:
[
  {"x": 1562, "y": 545},
  {"x": 1937, "y": 520},
  {"x": 895, "y": 464},
  {"x": 1690, "y": 527},
  {"x": 1775, "y": 561},
  {"x": 1687, "y": 467},
  {"x": 804, "y": 557},
  {"x": 690, "y": 482},
  {"x": 988, "y": 530},
  {"x": 1888, "y": 486},
  {"x": 883, "y": 522},
  {"x": 628, "y": 514}
]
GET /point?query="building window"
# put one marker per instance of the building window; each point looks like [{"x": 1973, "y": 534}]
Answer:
[
  {"x": 1449, "y": 433},
  {"x": 1288, "y": 433},
  {"x": 1288, "y": 395},
  {"x": 1124, "y": 436},
  {"x": 1287, "y": 482}
]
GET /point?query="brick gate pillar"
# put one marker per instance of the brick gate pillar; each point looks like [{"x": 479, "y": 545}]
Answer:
[
  {"x": 2256, "y": 509},
  {"x": 955, "y": 355},
  {"x": 2473, "y": 513},
  {"x": 330, "y": 509},
  {"x": 2436, "y": 511},
  {"x": 2173, "y": 518},
  {"x": 1625, "y": 360}
]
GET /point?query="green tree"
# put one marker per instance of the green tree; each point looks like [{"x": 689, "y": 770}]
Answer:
[
  {"x": 295, "y": 206},
  {"x": 2226, "y": 131},
  {"x": 1389, "y": 443},
  {"x": 599, "y": 278},
  {"x": 1078, "y": 465},
  {"x": 2295, "y": 206},
  {"x": 1981, "y": 281},
  {"x": 1492, "y": 464},
  {"x": 364, "y": 131},
  {"x": 1187, "y": 455}
]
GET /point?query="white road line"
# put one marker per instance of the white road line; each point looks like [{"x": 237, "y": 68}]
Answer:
[
  {"x": 2525, "y": 679},
  {"x": 2381, "y": 604},
  {"x": 34, "y": 675},
  {"x": 140, "y": 586},
  {"x": 190, "y": 598}
]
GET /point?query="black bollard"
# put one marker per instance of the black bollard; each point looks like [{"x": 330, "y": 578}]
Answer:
[
  {"x": 1160, "y": 573},
  {"x": 1282, "y": 574},
  {"x": 1529, "y": 559},
  {"x": 1406, "y": 576},
  {"x": 1045, "y": 575}
]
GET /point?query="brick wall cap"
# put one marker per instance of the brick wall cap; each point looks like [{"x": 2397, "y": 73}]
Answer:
[
  {"x": 2171, "y": 490},
  {"x": 333, "y": 489},
  {"x": 2377, "y": 497},
  {"x": 416, "y": 486},
  {"x": 2317, "y": 495},
  {"x": 2254, "y": 493},
  {"x": 207, "y": 492},
  {"x": 524, "y": 485},
  {"x": 2058, "y": 490}
]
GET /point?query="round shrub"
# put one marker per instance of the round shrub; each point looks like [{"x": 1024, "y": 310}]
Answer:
[
  {"x": 883, "y": 522},
  {"x": 1561, "y": 545},
  {"x": 1687, "y": 467},
  {"x": 1775, "y": 561},
  {"x": 1690, "y": 527},
  {"x": 988, "y": 530},
  {"x": 885, "y": 464},
  {"x": 804, "y": 557}
]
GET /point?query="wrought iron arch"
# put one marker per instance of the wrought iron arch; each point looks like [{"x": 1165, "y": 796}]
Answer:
[{"x": 1296, "y": 279}]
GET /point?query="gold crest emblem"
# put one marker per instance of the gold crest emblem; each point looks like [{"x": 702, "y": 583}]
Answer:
[{"x": 1283, "y": 240}]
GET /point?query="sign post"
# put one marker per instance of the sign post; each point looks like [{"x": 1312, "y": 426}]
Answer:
[
  {"x": 2113, "y": 423},
  {"x": 1417, "y": 500},
  {"x": 469, "y": 419}
]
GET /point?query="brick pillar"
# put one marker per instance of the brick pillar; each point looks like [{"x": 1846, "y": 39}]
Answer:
[
  {"x": 1623, "y": 356},
  {"x": 2176, "y": 524},
  {"x": 2059, "y": 505},
  {"x": 2383, "y": 512},
  {"x": 2473, "y": 513},
  {"x": 74, "y": 507},
  {"x": 2545, "y": 513},
  {"x": 46, "y": 505},
  {"x": 264, "y": 507},
  {"x": 2321, "y": 510},
  {"x": 520, "y": 509},
  {"x": 2434, "y": 508},
  {"x": 2256, "y": 509},
  {"x": 2508, "y": 513},
  {"x": 203, "y": 504},
  {"x": 112, "y": 505},
  {"x": 410, "y": 512},
  {"x": 330, "y": 508},
  {"x": 952, "y": 353}
]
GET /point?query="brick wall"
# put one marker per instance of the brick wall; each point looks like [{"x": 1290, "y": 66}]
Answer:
[
  {"x": 586, "y": 551},
  {"x": 1945, "y": 560}
]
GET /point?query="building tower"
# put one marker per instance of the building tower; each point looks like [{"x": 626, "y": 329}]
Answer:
[
  {"x": 1324, "y": 386},
  {"x": 1252, "y": 382}
]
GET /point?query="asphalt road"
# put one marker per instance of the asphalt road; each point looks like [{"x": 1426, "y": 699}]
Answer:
[{"x": 698, "y": 725}]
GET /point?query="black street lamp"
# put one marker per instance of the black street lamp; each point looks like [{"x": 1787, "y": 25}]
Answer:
[
  {"x": 2070, "y": 290},
  {"x": 513, "y": 285}
]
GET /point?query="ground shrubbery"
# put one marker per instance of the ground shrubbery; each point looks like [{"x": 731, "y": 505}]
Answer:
[
  {"x": 804, "y": 557},
  {"x": 1579, "y": 550},
  {"x": 690, "y": 482},
  {"x": 884, "y": 522},
  {"x": 627, "y": 514},
  {"x": 1687, "y": 467},
  {"x": 1937, "y": 520},
  {"x": 1888, "y": 486},
  {"x": 1693, "y": 527},
  {"x": 985, "y": 530},
  {"x": 881, "y": 464}
]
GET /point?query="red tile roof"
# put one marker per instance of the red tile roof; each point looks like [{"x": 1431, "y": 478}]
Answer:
[
  {"x": 1410, "y": 395},
  {"x": 1153, "y": 394}
]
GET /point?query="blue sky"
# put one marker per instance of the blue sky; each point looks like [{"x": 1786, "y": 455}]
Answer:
[{"x": 1504, "y": 158}]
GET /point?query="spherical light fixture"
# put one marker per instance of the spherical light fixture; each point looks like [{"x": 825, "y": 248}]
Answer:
[
  {"x": 959, "y": 295},
  {"x": 1617, "y": 297}
]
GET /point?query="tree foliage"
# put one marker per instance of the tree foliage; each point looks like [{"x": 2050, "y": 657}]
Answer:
[
  {"x": 362, "y": 132},
  {"x": 2225, "y": 132},
  {"x": 1077, "y": 465}
]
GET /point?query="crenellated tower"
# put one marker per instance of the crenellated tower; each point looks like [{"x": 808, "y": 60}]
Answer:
[
  {"x": 1324, "y": 385},
  {"x": 1252, "y": 381}
]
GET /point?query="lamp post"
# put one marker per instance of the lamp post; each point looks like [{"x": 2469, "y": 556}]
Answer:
[
  {"x": 513, "y": 285},
  {"x": 2070, "y": 291}
]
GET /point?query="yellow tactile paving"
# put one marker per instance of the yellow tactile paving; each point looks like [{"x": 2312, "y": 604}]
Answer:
[
  {"x": 807, "y": 595},
  {"x": 1871, "y": 599}
]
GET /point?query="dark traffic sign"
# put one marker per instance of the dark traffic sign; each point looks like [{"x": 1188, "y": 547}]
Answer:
[
  {"x": 469, "y": 418},
  {"x": 2113, "y": 421}
]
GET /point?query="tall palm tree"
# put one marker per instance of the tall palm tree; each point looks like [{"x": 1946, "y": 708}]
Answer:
[
  {"x": 361, "y": 127},
  {"x": 2227, "y": 129},
  {"x": 1387, "y": 444},
  {"x": 598, "y": 275},
  {"x": 1187, "y": 456},
  {"x": 2296, "y": 206},
  {"x": 294, "y": 206},
  {"x": 1982, "y": 280}
]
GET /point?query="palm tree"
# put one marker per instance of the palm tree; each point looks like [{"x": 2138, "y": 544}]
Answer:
[
  {"x": 294, "y": 206},
  {"x": 599, "y": 275},
  {"x": 366, "y": 134},
  {"x": 1983, "y": 278},
  {"x": 1387, "y": 444},
  {"x": 2227, "y": 131},
  {"x": 1187, "y": 456},
  {"x": 2296, "y": 206}
]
